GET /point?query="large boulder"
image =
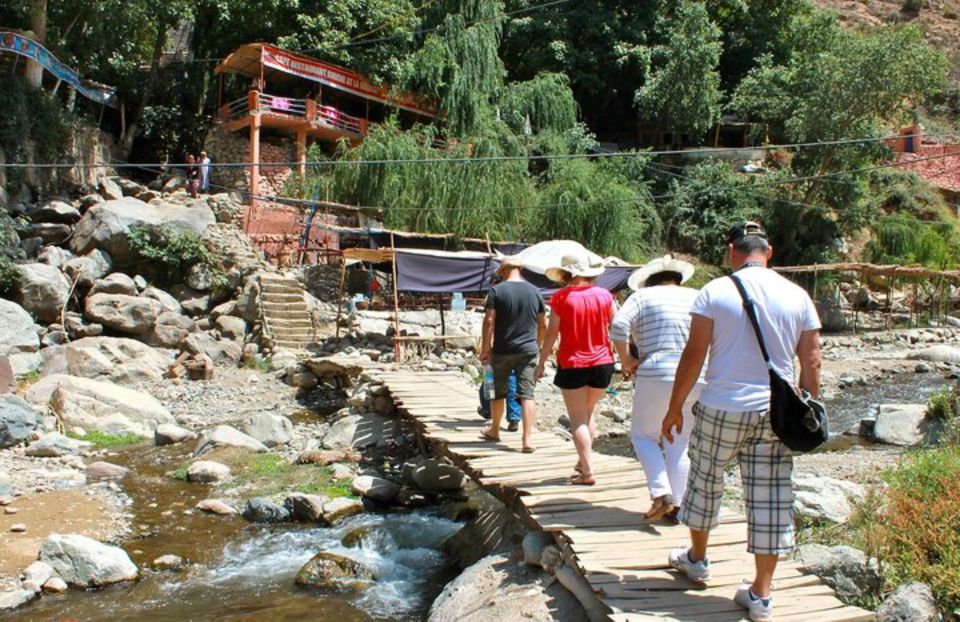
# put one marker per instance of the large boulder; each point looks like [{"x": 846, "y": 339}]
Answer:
[
  {"x": 56, "y": 211},
  {"x": 171, "y": 434},
  {"x": 169, "y": 303},
  {"x": 270, "y": 429},
  {"x": 900, "y": 424},
  {"x": 55, "y": 445},
  {"x": 19, "y": 338},
  {"x": 221, "y": 351},
  {"x": 116, "y": 283},
  {"x": 16, "y": 598},
  {"x": 208, "y": 472},
  {"x": 18, "y": 420},
  {"x": 305, "y": 507},
  {"x": 107, "y": 226},
  {"x": 169, "y": 330},
  {"x": 437, "y": 476},
  {"x": 341, "y": 508},
  {"x": 358, "y": 431},
  {"x": 48, "y": 232},
  {"x": 911, "y": 602},
  {"x": 847, "y": 570},
  {"x": 230, "y": 327},
  {"x": 87, "y": 269},
  {"x": 121, "y": 360},
  {"x": 375, "y": 488},
  {"x": 263, "y": 510},
  {"x": 128, "y": 314},
  {"x": 824, "y": 498},
  {"x": 937, "y": 354},
  {"x": 329, "y": 571},
  {"x": 110, "y": 189},
  {"x": 42, "y": 290},
  {"x": 102, "y": 406},
  {"x": 54, "y": 256},
  {"x": 84, "y": 562},
  {"x": 226, "y": 436}
]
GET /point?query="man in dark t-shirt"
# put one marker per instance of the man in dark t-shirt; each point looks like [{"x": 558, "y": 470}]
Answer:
[{"x": 513, "y": 329}]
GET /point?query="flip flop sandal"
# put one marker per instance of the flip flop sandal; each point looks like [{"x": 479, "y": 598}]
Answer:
[
  {"x": 528, "y": 450},
  {"x": 582, "y": 480},
  {"x": 489, "y": 437}
]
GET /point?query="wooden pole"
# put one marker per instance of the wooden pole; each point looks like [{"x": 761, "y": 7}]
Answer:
[
  {"x": 254, "y": 158},
  {"x": 443, "y": 323},
  {"x": 396, "y": 303},
  {"x": 343, "y": 280}
]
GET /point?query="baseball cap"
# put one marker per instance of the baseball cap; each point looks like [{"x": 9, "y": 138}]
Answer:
[{"x": 745, "y": 228}]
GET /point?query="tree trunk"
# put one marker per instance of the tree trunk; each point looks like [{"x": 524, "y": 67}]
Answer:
[
  {"x": 38, "y": 24},
  {"x": 126, "y": 142}
]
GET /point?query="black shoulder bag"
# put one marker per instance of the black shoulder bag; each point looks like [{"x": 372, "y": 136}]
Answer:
[{"x": 796, "y": 418}]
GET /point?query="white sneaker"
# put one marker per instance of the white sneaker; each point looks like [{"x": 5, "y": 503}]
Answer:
[
  {"x": 698, "y": 572},
  {"x": 760, "y": 609}
]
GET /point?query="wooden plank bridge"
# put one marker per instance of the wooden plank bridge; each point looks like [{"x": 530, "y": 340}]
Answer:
[{"x": 623, "y": 559}]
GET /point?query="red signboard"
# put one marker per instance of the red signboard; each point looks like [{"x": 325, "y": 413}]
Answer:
[{"x": 343, "y": 79}]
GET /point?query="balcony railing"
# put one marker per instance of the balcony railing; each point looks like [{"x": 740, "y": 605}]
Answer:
[{"x": 265, "y": 104}]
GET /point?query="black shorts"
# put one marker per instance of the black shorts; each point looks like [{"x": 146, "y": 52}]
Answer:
[{"x": 596, "y": 377}]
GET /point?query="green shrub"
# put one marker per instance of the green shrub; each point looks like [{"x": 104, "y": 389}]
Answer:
[
  {"x": 30, "y": 117},
  {"x": 173, "y": 253},
  {"x": 103, "y": 440},
  {"x": 914, "y": 6},
  {"x": 943, "y": 406},
  {"x": 8, "y": 274}
]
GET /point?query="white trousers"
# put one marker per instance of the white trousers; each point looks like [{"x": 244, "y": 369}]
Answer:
[{"x": 666, "y": 464}]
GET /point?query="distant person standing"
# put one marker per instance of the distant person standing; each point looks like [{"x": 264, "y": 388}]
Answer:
[
  {"x": 580, "y": 316},
  {"x": 513, "y": 328},
  {"x": 204, "y": 172},
  {"x": 657, "y": 319},
  {"x": 193, "y": 175}
]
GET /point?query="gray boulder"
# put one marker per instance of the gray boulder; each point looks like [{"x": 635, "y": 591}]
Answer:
[
  {"x": 263, "y": 510},
  {"x": 208, "y": 472},
  {"x": 37, "y": 572},
  {"x": 107, "y": 226},
  {"x": 231, "y": 327},
  {"x": 168, "y": 302},
  {"x": 358, "y": 431},
  {"x": 847, "y": 570},
  {"x": 18, "y": 420},
  {"x": 54, "y": 445},
  {"x": 87, "y": 269},
  {"x": 128, "y": 314},
  {"x": 437, "y": 476},
  {"x": 900, "y": 424},
  {"x": 84, "y": 562},
  {"x": 911, "y": 602},
  {"x": 937, "y": 354},
  {"x": 341, "y": 508},
  {"x": 121, "y": 360},
  {"x": 304, "y": 507},
  {"x": 115, "y": 283},
  {"x": 332, "y": 572},
  {"x": 19, "y": 338},
  {"x": 110, "y": 190},
  {"x": 216, "y": 506},
  {"x": 169, "y": 330},
  {"x": 56, "y": 211},
  {"x": 47, "y": 232},
  {"x": 54, "y": 256},
  {"x": 226, "y": 436},
  {"x": 375, "y": 488},
  {"x": 200, "y": 277},
  {"x": 101, "y": 470},
  {"x": 171, "y": 434},
  {"x": 16, "y": 598},
  {"x": 271, "y": 430},
  {"x": 128, "y": 186},
  {"x": 824, "y": 498},
  {"x": 220, "y": 351},
  {"x": 42, "y": 290}
]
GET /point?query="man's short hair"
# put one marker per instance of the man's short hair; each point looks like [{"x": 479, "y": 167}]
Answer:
[{"x": 748, "y": 237}]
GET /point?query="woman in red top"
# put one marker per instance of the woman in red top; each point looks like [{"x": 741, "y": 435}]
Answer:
[{"x": 581, "y": 314}]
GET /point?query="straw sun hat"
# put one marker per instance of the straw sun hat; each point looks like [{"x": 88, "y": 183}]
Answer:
[
  {"x": 574, "y": 266},
  {"x": 667, "y": 263}
]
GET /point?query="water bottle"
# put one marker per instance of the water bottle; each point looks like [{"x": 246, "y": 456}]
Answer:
[{"x": 488, "y": 390}]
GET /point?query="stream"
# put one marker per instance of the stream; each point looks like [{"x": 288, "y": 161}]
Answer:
[{"x": 243, "y": 571}]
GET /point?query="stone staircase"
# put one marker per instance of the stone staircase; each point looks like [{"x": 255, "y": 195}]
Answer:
[
  {"x": 231, "y": 246},
  {"x": 287, "y": 322}
]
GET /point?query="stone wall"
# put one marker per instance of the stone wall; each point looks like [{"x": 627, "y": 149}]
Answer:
[{"x": 224, "y": 146}]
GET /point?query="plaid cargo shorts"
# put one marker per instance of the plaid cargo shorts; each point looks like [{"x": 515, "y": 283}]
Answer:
[{"x": 766, "y": 465}]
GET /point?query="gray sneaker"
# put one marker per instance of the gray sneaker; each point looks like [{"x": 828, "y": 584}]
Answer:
[
  {"x": 760, "y": 609},
  {"x": 698, "y": 572}
]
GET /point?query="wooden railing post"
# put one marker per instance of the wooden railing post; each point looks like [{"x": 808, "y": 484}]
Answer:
[
  {"x": 311, "y": 110},
  {"x": 253, "y": 101}
]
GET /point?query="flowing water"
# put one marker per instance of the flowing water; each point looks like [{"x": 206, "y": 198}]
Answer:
[{"x": 239, "y": 571}]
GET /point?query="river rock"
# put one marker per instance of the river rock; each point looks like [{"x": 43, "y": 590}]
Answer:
[
  {"x": 219, "y": 350},
  {"x": 911, "y": 602},
  {"x": 54, "y": 256},
  {"x": 105, "y": 406},
  {"x": 18, "y": 528},
  {"x": 263, "y": 510},
  {"x": 847, "y": 570},
  {"x": 326, "y": 457},
  {"x": 42, "y": 290},
  {"x": 200, "y": 277},
  {"x": 336, "y": 510},
  {"x": 55, "y": 585},
  {"x": 208, "y": 472},
  {"x": 86, "y": 270},
  {"x": 37, "y": 572},
  {"x": 226, "y": 436},
  {"x": 109, "y": 189},
  {"x": 937, "y": 354},
  {"x": 271, "y": 430},
  {"x": 56, "y": 211},
  {"x": 171, "y": 434},
  {"x": 304, "y": 507},
  {"x": 47, "y": 232},
  {"x": 19, "y": 338},
  {"x": 170, "y": 329},
  {"x": 166, "y": 563},
  {"x": 105, "y": 470},
  {"x": 231, "y": 327},
  {"x": 127, "y": 314},
  {"x": 216, "y": 506},
  {"x": 900, "y": 424},
  {"x": 437, "y": 476},
  {"x": 824, "y": 498},
  {"x": 168, "y": 302},
  {"x": 15, "y": 598},
  {"x": 329, "y": 571},
  {"x": 375, "y": 488},
  {"x": 121, "y": 360},
  {"x": 107, "y": 226},
  {"x": 534, "y": 544},
  {"x": 54, "y": 445},
  {"x": 115, "y": 283},
  {"x": 18, "y": 420},
  {"x": 358, "y": 431},
  {"x": 84, "y": 562}
]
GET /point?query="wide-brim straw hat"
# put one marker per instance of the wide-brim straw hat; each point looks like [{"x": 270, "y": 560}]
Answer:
[
  {"x": 508, "y": 262},
  {"x": 667, "y": 263},
  {"x": 573, "y": 266}
]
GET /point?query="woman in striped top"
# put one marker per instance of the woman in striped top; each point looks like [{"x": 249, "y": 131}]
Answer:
[{"x": 657, "y": 320}]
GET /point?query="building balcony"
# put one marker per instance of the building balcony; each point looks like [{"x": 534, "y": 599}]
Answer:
[{"x": 295, "y": 115}]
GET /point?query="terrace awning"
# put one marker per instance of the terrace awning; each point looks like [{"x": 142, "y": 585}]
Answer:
[{"x": 280, "y": 66}]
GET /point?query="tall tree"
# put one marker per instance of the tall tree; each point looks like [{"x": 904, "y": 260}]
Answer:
[
  {"x": 38, "y": 24},
  {"x": 683, "y": 95}
]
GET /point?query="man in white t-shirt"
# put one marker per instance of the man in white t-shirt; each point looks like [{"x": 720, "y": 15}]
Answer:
[{"x": 731, "y": 416}]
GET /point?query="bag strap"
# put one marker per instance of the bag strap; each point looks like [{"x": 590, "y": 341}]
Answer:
[{"x": 752, "y": 314}]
